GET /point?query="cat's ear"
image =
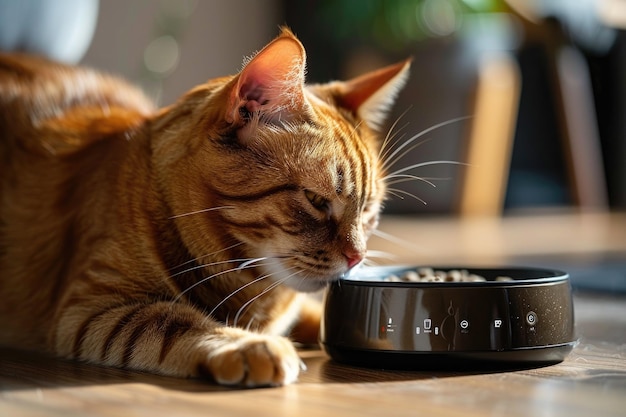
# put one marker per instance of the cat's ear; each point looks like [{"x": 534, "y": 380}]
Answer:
[
  {"x": 271, "y": 84},
  {"x": 370, "y": 96}
]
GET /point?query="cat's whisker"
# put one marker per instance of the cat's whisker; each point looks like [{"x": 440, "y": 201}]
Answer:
[
  {"x": 250, "y": 323},
  {"x": 213, "y": 276},
  {"x": 246, "y": 285},
  {"x": 176, "y": 216},
  {"x": 397, "y": 137},
  {"x": 391, "y": 134},
  {"x": 395, "y": 240},
  {"x": 418, "y": 177},
  {"x": 243, "y": 266},
  {"x": 391, "y": 192},
  {"x": 394, "y": 158},
  {"x": 226, "y": 320},
  {"x": 397, "y": 192},
  {"x": 369, "y": 262},
  {"x": 387, "y": 165},
  {"x": 400, "y": 178},
  {"x": 246, "y": 264},
  {"x": 427, "y": 163},
  {"x": 205, "y": 265},
  {"x": 379, "y": 254},
  {"x": 259, "y": 295},
  {"x": 200, "y": 282},
  {"x": 206, "y": 256}
]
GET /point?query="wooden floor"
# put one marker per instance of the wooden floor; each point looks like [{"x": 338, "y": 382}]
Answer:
[{"x": 590, "y": 382}]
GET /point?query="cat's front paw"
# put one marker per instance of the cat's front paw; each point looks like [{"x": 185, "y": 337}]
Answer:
[{"x": 253, "y": 360}]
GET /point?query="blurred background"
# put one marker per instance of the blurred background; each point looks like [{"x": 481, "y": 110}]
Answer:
[{"x": 542, "y": 81}]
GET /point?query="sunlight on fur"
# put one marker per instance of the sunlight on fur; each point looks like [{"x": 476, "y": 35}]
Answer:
[{"x": 179, "y": 240}]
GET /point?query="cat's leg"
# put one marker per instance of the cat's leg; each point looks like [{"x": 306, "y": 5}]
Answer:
[
  {"x": 174, "y": 339},
  {"x": 306, "y": 330}
]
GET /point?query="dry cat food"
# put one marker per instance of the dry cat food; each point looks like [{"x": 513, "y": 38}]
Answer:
[{"x": 431, "y": 275}]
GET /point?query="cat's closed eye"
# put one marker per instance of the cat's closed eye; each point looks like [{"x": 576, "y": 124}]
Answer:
[{"x": 317, "y": 201}]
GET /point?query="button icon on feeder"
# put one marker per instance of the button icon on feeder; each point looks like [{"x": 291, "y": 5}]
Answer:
[
  {"x": 390, "y": 326},
  {"x": 497, "y": 323},
  {"x": 531, "y": 318},
  {"x": 464, "y": 324},
  {"x": 427, "y": 325},
  {"x": 427, "y": 328}
]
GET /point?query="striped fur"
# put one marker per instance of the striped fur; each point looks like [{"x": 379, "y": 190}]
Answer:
[{"x": 179, "y": 240}]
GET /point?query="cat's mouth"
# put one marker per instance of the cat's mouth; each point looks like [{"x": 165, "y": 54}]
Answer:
[
  {"x": 308, "y": 281},
  {"x": 301, "y": 277}
]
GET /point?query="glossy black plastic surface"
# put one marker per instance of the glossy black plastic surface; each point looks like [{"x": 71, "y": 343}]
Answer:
[{"x": 378, "y": 323}]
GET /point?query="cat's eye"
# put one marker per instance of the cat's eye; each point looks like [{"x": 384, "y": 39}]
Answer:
[{"x": 316, "y": 200}]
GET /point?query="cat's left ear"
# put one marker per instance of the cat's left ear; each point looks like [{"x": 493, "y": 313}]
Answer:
[
  {"x": 370, "y": 96},
  {"x": 271, "y": 84}
]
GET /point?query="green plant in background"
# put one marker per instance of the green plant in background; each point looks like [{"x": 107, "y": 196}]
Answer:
[{"x": 393, "y": 24}]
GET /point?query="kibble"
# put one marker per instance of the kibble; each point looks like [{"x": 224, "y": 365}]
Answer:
[{"x": 431, "y": 275}]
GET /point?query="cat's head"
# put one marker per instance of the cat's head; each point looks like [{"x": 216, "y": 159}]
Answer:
[{"x": 291, "y": 172}]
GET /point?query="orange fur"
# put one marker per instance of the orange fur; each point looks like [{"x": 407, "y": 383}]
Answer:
[{"x": 175, "y": 240}]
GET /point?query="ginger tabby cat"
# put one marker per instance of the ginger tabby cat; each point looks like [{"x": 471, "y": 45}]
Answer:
[{"x": 182, "y": 241}]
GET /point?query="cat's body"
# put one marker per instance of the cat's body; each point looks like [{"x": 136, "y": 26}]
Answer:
[{"x": 176, "y": 241}]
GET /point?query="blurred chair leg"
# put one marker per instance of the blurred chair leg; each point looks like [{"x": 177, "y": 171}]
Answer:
[
  {"x": 491, "y": 136},
  {"x": 580, "y": 130}
]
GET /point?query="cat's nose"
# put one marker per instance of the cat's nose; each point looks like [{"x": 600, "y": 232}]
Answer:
[{"x": 353, "y": 256}]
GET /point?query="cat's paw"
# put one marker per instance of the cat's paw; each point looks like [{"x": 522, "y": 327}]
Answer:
[{"x": 253, "y": 360}]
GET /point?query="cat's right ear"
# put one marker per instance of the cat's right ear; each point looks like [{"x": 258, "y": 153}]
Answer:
[{"x": 271, "y": 84}]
